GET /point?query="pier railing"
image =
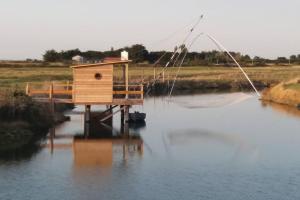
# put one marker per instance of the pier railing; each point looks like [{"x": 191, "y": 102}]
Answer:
[
  {"x": 131, "y": 92},
  {"x": 63, "y": 91}
]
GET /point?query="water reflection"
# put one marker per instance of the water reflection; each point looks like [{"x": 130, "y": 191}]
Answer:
[
  {"x": 188, "y": 137},
  {"x": 288, "y": 110},
  {"x": 212, "y": 100},
  {"x": 234, "y": 151},
  {"x": 24, "y": 153},
  {"x": 100, "y": 144}
]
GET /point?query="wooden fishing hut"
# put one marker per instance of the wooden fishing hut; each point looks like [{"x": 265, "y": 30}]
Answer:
[
  {"x": 97, "y": 84},
  {"x": 106, "y": 83}
]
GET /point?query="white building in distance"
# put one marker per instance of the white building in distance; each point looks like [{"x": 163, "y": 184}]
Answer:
[{"x": 78, "y": 59}]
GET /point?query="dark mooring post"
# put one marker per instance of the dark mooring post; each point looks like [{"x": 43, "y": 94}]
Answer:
[
  {"x": 126, "y": 120},
  {"x": 51, "y": 138},
  {"x": 122, "y": 119},
  {"x": 87, "y": 120}
]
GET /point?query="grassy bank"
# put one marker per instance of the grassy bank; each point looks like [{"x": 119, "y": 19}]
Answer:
[
  {"x": 23, "y": 121},
  {"x": 287, "y": 93},
  {"x": 19, "y": 75}
]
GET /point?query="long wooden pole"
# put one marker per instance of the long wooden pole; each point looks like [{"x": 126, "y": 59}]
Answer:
[
  {"x": 27, "y": 89},
  {"x": 51, "y": 101}
]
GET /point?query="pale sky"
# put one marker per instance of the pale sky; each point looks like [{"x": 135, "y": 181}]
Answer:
[{"x": 267, "y": 28}]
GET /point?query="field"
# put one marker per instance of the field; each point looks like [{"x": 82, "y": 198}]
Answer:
[{"x": 18, "y": 75}]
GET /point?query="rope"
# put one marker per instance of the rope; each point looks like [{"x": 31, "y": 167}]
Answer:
[
  {"x": 177, "y": 31},
  {"x": 239, "y": 66},
  {"x": 186, "y": 51},
  {"x": 182, "y": 47}
]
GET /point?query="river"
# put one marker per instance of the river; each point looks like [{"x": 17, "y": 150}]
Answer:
[{"x": 204, "y": 146}]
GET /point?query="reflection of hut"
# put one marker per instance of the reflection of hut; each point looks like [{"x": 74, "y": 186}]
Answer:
[
  {"x": 92, "y": 152},
  {"x": 99, "y": 152}
]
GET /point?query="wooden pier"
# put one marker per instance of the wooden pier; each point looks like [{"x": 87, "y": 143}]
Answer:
[{"x": 93, "y": 84}]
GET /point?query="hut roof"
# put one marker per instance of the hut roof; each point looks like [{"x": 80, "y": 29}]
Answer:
[{"x": 102, "y": 64}]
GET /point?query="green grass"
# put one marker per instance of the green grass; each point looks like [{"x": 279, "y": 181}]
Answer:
[
  {"x": 293, "y": 86},
  {"x": 19, "y": 75}
]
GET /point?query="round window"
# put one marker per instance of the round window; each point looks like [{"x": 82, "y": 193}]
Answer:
[{"x": 98, "y": 76}]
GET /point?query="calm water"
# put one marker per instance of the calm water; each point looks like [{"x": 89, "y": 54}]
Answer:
[{"x": 226, "y": 146}]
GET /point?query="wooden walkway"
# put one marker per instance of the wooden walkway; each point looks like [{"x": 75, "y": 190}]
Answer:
[{"x": 59, "y": 92}]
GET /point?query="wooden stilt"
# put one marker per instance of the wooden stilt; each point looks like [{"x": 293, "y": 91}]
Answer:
[
  {"x": 27, "y": 89},
  {"x": 141, "y": 148},
  {"x": 51, "y": 100},
  {"x": 122, "y": 114},
  {"x": 125, "y": 152},
  {"x": 126, "y": 114},
  {"x": 51, "y": 138},
  {"x": 126, "y": 120},
  {"x": 87, "y": 119}
]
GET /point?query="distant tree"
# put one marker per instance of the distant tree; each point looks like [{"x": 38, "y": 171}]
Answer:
[
  {"x": 246, "y": 58},
  {"x": 67, "y": 55},
  {"x": 51, "y": 56},
  {"x": 93, "y": 55},
  {"x": 137, "y": 53},
  {"x": 293, "y": 58},
  {"x": 258, "y": 61},
  {"x": 282, "y": 60}
]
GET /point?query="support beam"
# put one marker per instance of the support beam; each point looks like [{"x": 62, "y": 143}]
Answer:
[
  {"x": 110, "y": 115},
  {"x": 109, "y": 108}
]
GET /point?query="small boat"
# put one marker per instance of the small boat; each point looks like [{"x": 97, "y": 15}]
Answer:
[{"x": 137, "y": 117}]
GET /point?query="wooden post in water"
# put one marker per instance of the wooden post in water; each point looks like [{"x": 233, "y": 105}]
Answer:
[
  {"x": 51, "y": 138},
  {"x": 87, "y": 119},
  {"x": 126, "y": 113},
  {"x": 142, "y": 91},
  {"x": 51, "y": 101},
  {"x": 125, "y": 152},
  {"x": 27, "y": 89},
  {"x": 140, "y": 148},
  {"x": 126, "y": 119},
  {"x": 122, "y": 119}
]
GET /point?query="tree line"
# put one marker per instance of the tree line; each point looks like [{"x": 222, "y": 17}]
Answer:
[{"x": 139, "y": 54}]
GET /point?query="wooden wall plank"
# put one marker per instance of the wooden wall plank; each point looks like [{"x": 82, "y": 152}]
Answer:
[{"x": 89, "y": 89}]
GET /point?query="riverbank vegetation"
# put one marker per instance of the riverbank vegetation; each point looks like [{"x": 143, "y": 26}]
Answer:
[
  {"x": 23, "y": 121},
  {"x": 287, "y": 93}
]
